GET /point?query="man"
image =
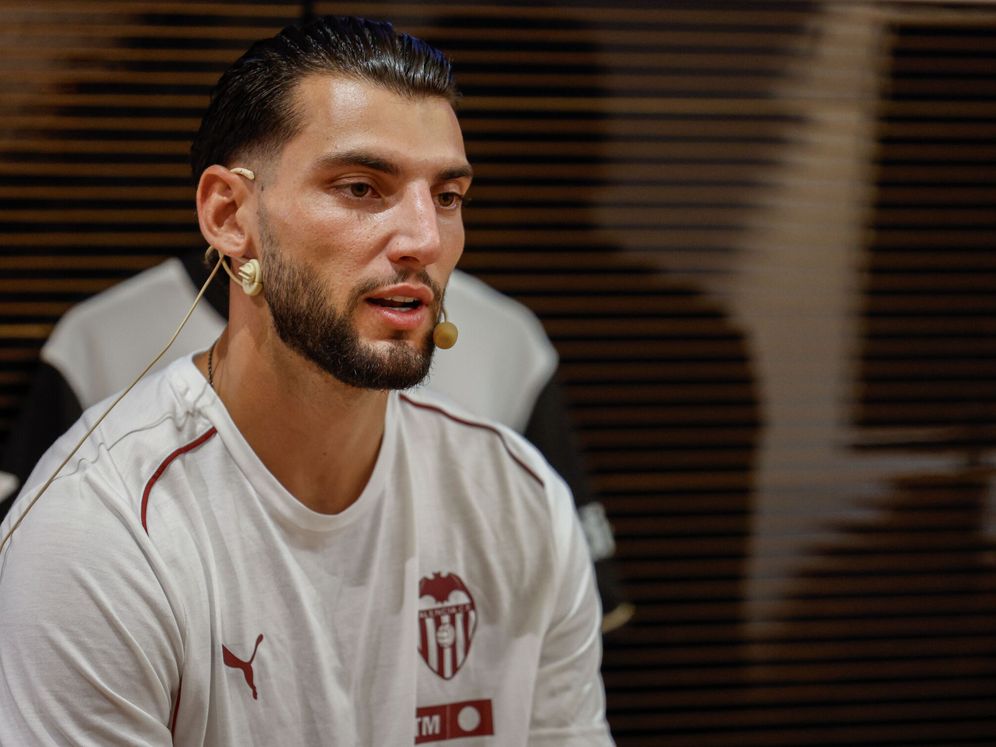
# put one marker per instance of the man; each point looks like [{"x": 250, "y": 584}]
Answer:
[
  {"x": 503, "y": 368},
  {"x": 266, "y": 543}
]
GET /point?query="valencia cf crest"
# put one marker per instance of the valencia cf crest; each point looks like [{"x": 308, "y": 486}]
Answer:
[{"x": 447, "y": 619}]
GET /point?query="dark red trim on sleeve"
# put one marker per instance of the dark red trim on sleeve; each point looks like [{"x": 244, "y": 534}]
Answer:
[
  {"x": 162, "y": 468},
  {"x": 482, "y": 426}
]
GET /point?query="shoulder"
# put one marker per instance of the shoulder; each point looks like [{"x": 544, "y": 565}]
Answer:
[
  {"x": 80, "y": 530},
  {"x": 487, "y": 470},
  {"x": 126, "y": 447},
  {"x": 78, "y": 552},
  {"x": 489, "y": 483},
  {"x": 472, "y": 438}
]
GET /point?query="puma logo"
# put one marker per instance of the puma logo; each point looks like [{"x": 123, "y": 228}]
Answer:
[{"x": 233, "y": 661}]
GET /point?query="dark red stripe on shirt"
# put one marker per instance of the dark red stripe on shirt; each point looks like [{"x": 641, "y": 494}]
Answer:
[
  {"x": 162, "y": 468},
  {"x": 483, "y": 426}
]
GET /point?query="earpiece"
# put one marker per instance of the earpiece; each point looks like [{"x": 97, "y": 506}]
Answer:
[
  {"x": 250, "y": 274},
  {"x": 251, "y": 277},
  {"x": 445, "y": 333}
]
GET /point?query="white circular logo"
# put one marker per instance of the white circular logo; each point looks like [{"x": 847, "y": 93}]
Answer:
[
  {"x": 445, "y": 635},
  {"x": 469, "y": 718}
]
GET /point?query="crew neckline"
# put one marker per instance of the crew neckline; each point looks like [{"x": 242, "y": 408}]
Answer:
[{"x": 202, "y": 400}]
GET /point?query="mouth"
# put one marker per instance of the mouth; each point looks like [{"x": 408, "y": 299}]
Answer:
[
  {"x": 402, "y": 297},
  {"x": 406, "y": 307},
  {"x": 404, "y": 303}
]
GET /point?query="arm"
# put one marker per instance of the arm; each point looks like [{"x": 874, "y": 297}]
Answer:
[
  {"x": 90, "y": 647},
  {"x": 569, "y": 699}
]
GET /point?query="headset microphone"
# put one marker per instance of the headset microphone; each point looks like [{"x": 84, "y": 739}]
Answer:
[{"x": 445, "y": 333}]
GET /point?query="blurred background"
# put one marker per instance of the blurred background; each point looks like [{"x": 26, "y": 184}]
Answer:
[{"x": 762, "y": 236}]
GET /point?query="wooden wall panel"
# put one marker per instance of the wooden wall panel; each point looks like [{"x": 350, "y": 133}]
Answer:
[{"x": 629, "y": 155}]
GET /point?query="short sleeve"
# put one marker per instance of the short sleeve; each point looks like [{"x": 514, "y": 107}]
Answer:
[{"x": 90, "y": 649}]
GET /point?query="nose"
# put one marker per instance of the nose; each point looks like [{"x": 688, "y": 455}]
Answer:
[{"x": 416, "y": 240}]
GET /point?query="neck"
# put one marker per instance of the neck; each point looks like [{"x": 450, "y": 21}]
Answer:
[{"x": 319, "y": 437}]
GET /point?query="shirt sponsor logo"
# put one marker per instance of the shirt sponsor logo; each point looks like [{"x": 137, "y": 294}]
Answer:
[
  {"x": 471, "y": 718},
  {"x": 233, "y": 661},
  {"x": 447, "y": 620}
]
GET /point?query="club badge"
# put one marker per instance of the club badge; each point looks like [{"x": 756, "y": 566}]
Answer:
[{"x": 447, "y": 620}]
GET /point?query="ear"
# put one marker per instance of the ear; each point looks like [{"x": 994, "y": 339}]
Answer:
[{"x": 220, "y": 197}]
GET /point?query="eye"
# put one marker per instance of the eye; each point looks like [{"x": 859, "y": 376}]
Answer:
[
  {"x": 360, "y": 189},
  {"x": 449, "y": 200}
]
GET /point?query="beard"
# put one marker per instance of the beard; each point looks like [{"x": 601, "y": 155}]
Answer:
[{"x": 309, "y": 324}]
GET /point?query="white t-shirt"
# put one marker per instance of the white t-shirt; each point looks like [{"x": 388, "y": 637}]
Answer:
[{"x": 168, "y": 590}]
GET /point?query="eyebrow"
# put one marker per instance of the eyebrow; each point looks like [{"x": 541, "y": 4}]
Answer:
[
  {"x": 358, "y": 158},
  {"x": 376, "y": 163},
  {"x": 458, "y": 172}
]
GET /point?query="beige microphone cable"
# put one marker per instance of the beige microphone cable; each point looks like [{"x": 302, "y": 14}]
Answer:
[{"x": 121, "y": 396}]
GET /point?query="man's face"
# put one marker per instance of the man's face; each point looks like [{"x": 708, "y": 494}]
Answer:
[{"x": 360, "y": 226}]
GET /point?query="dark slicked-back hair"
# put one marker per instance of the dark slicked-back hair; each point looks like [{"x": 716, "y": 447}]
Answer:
[{"x": 252, "y": 106}]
